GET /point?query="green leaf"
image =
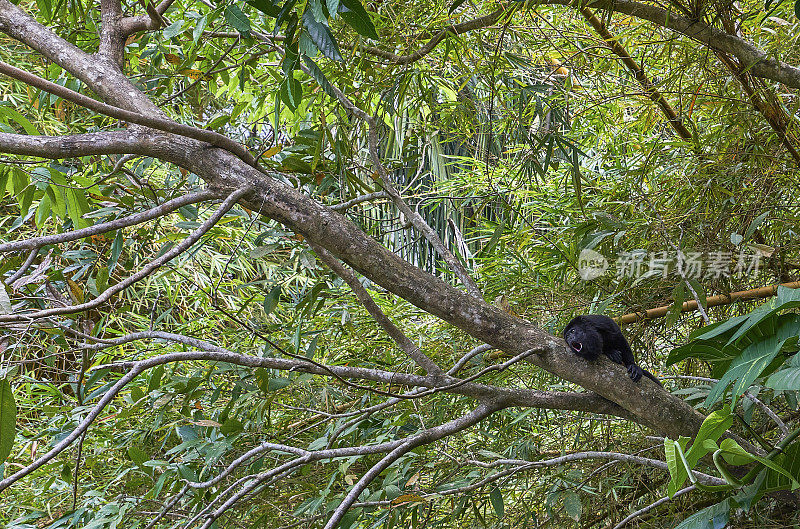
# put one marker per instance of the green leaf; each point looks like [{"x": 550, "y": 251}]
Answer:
[
  {"x": 758, "y": 220},
  {"x": 138, "y": 456},
  {"x": 77, "y": 206},
  {"x": 291, "y": 92},
  {"x": 797, "y": 8},
  {"x": 785, "y": 379},
  {"x": 173, "y": 30},
  {"x": 712, "y": 428},
  {"x": 714, "y": 517},
  {"x": 333, "y": 7},
  {"x": 321, "y": 36},
  {"x": 572, "y": 505},
  {"x": 357, "y": 17},
  {"x": 271, "y": 300},
  {"x": 736, "y": 455},
  {"x": 236, "y": 18},
  {"x": 454, "y": 6},
  {"x": 709, "y": 351},
  {"x": 319, "y": 77},
  {"x": 268, "y": 7},
  {"x": 789, "y": 461},
  {"x": 275, "y": 384},
  {"x": 231, "y": 427},
  {"x": 753, "y": 361},
  {"x": 8, "y": 418},
  {"x": 496, "y": 497},
  {"x": 10, "y": 114}
]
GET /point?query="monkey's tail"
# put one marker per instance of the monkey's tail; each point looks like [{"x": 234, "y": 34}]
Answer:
[{"x": 652, "y": 377}]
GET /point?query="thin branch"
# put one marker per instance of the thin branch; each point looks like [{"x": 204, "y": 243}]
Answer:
[
  {"x": 467, "y": 357},
  {"x": 705, "y": 479},
  {"x": 653, "y": 505},
  {"x": 399, "y": 337},
  {"x": 358, "y": 200},
  {"x": 752, "y": 58},
  {"x": 124, "y": 222},
  {"x": 24, "y": 268},
  {"x": 428, "y": 436},
  {"x": 148, "y": 269},
  {"x": 157, "y": 123},
  {"x": 768, "y": 412}
]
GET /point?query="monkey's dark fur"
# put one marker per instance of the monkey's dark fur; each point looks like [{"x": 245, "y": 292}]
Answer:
[{"x": 588, "y": 336}]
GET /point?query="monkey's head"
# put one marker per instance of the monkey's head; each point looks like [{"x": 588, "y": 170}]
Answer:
[{"x": 583, "y": 340}]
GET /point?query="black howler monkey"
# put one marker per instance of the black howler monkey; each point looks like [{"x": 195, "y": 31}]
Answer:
[{"x": 588, "y": 336}]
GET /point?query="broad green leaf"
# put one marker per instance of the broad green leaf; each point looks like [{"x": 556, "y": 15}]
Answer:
[
  {"x": 789, "y": 461},
  {"x": 714, "y": 517},
  {"x": 454, "y": 6},
  {"x": 319, "y": 77},
  {"x": 675, "y": 466},
  {"x": 712, "y": 428},
  {"x": 236, "y": 18},
  {"x": 271, "y": 300},
  {"x": 8, "y": 418},
  {"x": 231, "y": 427},
  {"x": 173, "y": 30},
  {"x": 786, "y": 379},
  {"x": 138, "y": 456},
  {"x": 496, "y": 497},
  {"x": 736, "y": 455},
  {"x": 753, "y": 361},
  {"x": 709, "y": 351},
  {"x": 357, "y": 17},
  {"x": 268, "y": 7},
  {"x": 8, "y": 113},
  {"x": 755, "y": 224},
  {"x": 572, "y": 505},
  {"x": 321, "y": 36}
]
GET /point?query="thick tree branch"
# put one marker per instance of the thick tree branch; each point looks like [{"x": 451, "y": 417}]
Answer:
[
  {"x": 158, "y": 123},
  {"x": 649, "y": 403},
  {"x": 514, "y": 396},
  {"x": 755, "y": 60},
  {"x": 152, "y": 21},
  {"x": 112, "y": 40}
]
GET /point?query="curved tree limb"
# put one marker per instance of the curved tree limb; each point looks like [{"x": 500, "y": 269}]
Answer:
[
  {"x": 145, "y": 271},
  {"x": 757, "y": 61},
  {"x": 159, "y": 123},
  {"x": 159, "y": 211}
]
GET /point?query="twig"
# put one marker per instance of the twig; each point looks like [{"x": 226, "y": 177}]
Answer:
[
  {"x": 145, "y": 271},
  {"x": 157, "y": 123},
  {"x": 124, "y": 222},
  {"x": 399, "y": 337}
]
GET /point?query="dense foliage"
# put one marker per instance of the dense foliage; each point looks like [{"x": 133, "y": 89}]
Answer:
[{"x": 531, "y": 137}]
